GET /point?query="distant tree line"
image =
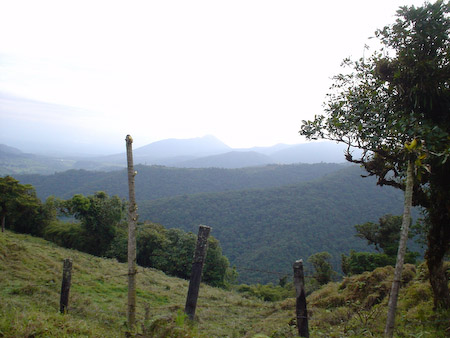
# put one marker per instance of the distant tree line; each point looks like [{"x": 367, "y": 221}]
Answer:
[{"x": 159, "y": 181}]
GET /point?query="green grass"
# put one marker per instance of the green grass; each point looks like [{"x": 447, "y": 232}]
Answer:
[{"x": 30, "y": 282}]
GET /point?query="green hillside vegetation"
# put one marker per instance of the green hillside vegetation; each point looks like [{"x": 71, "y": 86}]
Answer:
[
  {"x": 264, "y": 217},
  {"x": 95, "y": 224},
  {"x": 153, "y": 182},
  {"x": 268, "y": 229},
  {"x": 31, "y": 271},
  {"x": 385, "y": 237}
]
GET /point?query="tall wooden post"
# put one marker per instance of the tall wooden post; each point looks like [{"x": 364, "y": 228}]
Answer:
[
  {"x": 65, "y": 286},
  {"x": 132, "y": 221},
  {"x": 392, "y": 305},
  {"x": 197, "y": 268},
  {"x": 300, "y": 304}
]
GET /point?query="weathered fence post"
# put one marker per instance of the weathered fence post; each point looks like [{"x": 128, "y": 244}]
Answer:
[
  {"x": 132, "y": 222},
  {"x": 196, "y": 273},
  {"x": 65, "y": 286},
  {"x": 300, "y": 304}
]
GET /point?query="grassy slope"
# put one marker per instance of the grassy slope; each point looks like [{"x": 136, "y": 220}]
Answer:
[{"x": 30, "y": 277}]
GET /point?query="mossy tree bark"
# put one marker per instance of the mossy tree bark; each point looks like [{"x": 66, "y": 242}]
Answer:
[{"x": 438, "y": 235}]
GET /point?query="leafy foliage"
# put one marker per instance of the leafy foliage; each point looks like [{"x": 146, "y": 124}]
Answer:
[
  {"x": 20, "y": 209},
  {"x": 323, "y": 271},
  {"x": 172, "y": 251},
  {"x": 99, "y": 215},
  {"x": 384, "y": 235},
  {"x": 395, "y": 105},
  {"x": 358, "y": 262}
]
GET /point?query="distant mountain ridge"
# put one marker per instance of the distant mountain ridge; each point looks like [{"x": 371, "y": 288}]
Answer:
[
  {"x": 5, "y": 150},
  {"x": 200, "y": 152},
  {"x": 199, "y": 146},
  {"x": 229, "y": 160}
]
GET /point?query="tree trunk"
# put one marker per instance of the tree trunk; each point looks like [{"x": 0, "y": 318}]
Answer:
[
  {"x": 392, "y": 305},
  {"x": 438, "y": 278},
  {"x": 438, "y": 235},
  {"x": 3, "y": 222},
  {"x": 132, "y": 221}
]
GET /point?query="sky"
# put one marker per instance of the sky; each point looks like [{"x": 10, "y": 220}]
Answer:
[{"x": 78, "y": 76}]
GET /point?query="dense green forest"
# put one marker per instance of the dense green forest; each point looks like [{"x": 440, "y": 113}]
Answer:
[
  {"x": 265, "y": 217},
  {"x": 268, "y": 229},
  {"x": 154, "y": 182}
]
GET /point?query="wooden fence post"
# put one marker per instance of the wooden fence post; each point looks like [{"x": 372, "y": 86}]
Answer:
[
  {"x": 300, "y": 304},
  {"x": 65, "y": 286},
  {"x": 132, "y": 222},
  {"x": 196, "y": 273}
]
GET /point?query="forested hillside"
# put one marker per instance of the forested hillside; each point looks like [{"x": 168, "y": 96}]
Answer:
[
  {"x": 268, "y": 229},
  {"x": 154, "y": 182},
  {"x": 265, "y": 217}
]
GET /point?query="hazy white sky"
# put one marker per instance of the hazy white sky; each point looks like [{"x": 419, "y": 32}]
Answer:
[{"x": 244, "y": 71}]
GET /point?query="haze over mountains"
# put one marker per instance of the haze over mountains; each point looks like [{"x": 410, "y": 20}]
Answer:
[{"x": 201, "y": 152}]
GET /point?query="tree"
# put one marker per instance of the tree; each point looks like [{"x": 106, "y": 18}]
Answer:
[
  {"x": 395, "y": 106},
  {"x": 384, "y": 235},
  {"x": 406, "y": 221},
  {"x": 323, "y": 271},
  {"x": 20, "y": 205},
  {"x": 172, "y": 251},
  {"x": 358, "y": 262},
  {"x": 99, "y": 215},
  {"x": 216, "y": 265}
]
